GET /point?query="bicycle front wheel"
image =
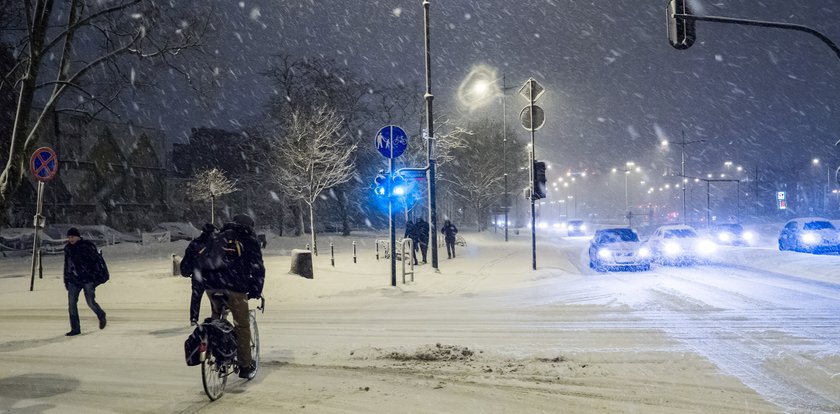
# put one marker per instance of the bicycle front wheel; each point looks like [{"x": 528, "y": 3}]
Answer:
[
  {"x": 213, "y": 376},
  {"x": 255, "y": 340}
]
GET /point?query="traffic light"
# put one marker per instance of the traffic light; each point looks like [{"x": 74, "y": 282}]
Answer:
[
  {"x": 680, "y": 30},
  {"x": 381, "y": 181},
  {"x": 539, "y": 180},
  {"x": 398, "y": 185}
]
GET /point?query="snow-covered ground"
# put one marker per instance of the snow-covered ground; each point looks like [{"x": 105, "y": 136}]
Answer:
[{"x": 758, "y": 330}]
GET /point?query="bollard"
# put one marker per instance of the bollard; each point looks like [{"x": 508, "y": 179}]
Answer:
[
  {"x": 332, "y": 255},
  {"x": 377, "y": 250},
  {"x": 354, "y": 252},
  {"x": 176, "y": 265}
]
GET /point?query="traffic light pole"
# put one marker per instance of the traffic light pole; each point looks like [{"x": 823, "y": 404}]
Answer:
[
  {"x": 533, "y": 182},
  {"x": 392, "y": 232}
]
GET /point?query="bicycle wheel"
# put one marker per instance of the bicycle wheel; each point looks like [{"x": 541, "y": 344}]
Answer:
[
  {"x": 213, "y": 376},
  {"x": 255, "y": 339}
]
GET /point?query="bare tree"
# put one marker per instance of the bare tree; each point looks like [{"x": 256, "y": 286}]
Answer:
[
  {"x": 209, "y": 184},
  {"x": 311, "y": 157},
  {"x": 78, "y": 56}
]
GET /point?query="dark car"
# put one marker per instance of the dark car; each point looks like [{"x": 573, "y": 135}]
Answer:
[
  {"x": 576, "y": 228},
  {"x": 733, "y": 234},
  {"x": 812, "y": 235},
  {"x": 618, "y": 248}
]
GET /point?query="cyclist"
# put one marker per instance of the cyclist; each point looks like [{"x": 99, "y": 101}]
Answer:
[{"x": 238, "y": 283}]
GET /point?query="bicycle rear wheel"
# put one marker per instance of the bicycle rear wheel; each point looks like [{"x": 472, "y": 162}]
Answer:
[
  {"x": 255, "y": 340},
  {"x": 213, "y": 376}
]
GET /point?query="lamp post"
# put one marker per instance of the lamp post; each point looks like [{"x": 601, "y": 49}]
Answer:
[
  {"x": 431, "y": 137},
  {"x": 682, "y": 145},
  {"x": 481, "y": 88},
  {"x": 816, "y": 162},
  {"x": 629, "y": 167}
]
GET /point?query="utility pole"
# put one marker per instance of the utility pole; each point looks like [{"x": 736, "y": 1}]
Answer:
[
  {"x": 431, "y": 147},
  {"x": 682, "y": 145}
]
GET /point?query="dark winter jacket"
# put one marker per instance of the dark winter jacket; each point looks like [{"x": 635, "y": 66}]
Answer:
[
  {"x": 188, "y": 262},
  {"x": 81, "y": 263},
  {"x": 248, "y": 276},
  {"x": 409, "y": 231},
  {"x": 421, "y": 229},
  {"x": 449, "y": 231}
]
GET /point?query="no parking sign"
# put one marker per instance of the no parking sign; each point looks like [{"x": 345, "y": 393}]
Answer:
[{"x": 44, "y": 164}]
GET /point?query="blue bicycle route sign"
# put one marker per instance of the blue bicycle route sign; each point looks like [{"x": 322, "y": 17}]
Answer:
[{"x": 391, "y": 141}]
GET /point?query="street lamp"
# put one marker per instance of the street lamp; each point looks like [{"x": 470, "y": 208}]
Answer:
[
  {"x": 629, "y": 167},
  {"x": 682, "y": 145},
  {"x": 481, "y": 89}
]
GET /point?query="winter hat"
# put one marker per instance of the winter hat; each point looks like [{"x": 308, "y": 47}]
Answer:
[
  {"x": 208, "y": 228},
  {"x": 73, "y": 232},
  {"x": 244, "y": 220}
]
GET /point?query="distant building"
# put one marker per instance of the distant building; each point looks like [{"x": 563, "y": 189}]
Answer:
[{"x": 109, "y": 173}]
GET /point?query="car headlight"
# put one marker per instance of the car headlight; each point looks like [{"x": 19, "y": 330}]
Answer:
[
  {"x": 643, "y": 252},
  {"x": 672, "y": 248},
  {"x": 706, "y": 247},
  {"x": 604, "y": 253},
  {"x": 570, "y": 227},
  {"x": 748, "y": 236},
  {"x": 810, "y": 238},
  {"x": 724, "y": 237}
]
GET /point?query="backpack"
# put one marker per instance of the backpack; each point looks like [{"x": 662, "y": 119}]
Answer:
[
  {"x": 102, "y": 274},
  {"x": 221, "y": 251}
]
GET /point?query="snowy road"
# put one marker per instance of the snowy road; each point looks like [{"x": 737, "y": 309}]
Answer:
[{"x": 757, "y": 331}]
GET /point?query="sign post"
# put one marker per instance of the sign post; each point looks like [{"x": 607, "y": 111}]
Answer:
[
  {"x": 44, "y": 166},
  {"x": 391, "y": 142},
  {"x": 532, "y": 118}
]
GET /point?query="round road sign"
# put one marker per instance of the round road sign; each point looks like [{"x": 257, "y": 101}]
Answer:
[
  {"x": 44, "y": 164},
  {"x": 525, "y": 117}
]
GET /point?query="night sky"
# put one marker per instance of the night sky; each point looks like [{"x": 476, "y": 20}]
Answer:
[{"x": 615, "y": 87}]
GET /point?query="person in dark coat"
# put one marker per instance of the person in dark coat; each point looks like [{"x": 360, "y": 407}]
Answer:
[
  {"x": 421, "y": 229},
  {"x": 237, "y": 284},
  {"x": 449, "y": 231},
  {"x": 411, "y": 233},
  {"x": 188, "y": 269},
  {"x": 81, "y": 272}
]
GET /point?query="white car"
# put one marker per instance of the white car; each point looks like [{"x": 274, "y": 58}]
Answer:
[
  {"x": 810, "y": 234},
  {"x": 680, "y": 245},
  {"x": 618, "y": 248}
]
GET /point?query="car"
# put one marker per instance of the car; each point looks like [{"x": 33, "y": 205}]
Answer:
[
  {"x": 809, "y": 234},
  {"x": 618, "y": 248},
  {"x": 576, "y": 228},
  {"x": 732, "y": 234},
  {"x": 680, "y": 244},
  {"x": 179, "y": 230}
]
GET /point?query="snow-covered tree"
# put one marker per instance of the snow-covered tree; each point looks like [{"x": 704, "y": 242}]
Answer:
[
  {"x": 311, "y": 156},
  {"x": 79, "y": 56},
  {"x": 209, "y": 184}
]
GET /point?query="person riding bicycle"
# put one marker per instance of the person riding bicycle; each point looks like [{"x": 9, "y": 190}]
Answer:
[{"x": 238, "y": 283}]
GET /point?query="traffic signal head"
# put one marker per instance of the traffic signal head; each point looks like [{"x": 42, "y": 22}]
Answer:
[
  {"x": 398, "y": 185},
  {"x": 680, "y": 30},
  {"x": 381, "y": 180},
  {"x": 539, "y": 180}
]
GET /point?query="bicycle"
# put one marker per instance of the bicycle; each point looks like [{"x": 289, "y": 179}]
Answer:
[{"x": 214, "y": 373}]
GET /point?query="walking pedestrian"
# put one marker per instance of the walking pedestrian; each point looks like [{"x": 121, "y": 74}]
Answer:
[
  {"x": 449, "y": 231},
  {"x": 421, "y": 228},
  {"x": 411, "y": 233},
  {"x": 84, "y": 269}
]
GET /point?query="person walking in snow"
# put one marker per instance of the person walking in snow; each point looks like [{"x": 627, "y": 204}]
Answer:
[
  {"x": 449, "y": 231},
  {"x": 84, "y": 269},
  {"x": 421, "y": 229},
  {"x": 189, "y": 269},
  {"x": 411, "y": 233}
]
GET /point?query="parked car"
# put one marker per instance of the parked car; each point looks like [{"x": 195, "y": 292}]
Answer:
[
  {"x": 732, "y": 234},
  {"x": 680, "y": 244},
  {"x": 576, "y": 228},
  {"x": 618, "y": 248},
  {"x": 178, "y": 230},
  {"x": 810, "y": 234}
]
